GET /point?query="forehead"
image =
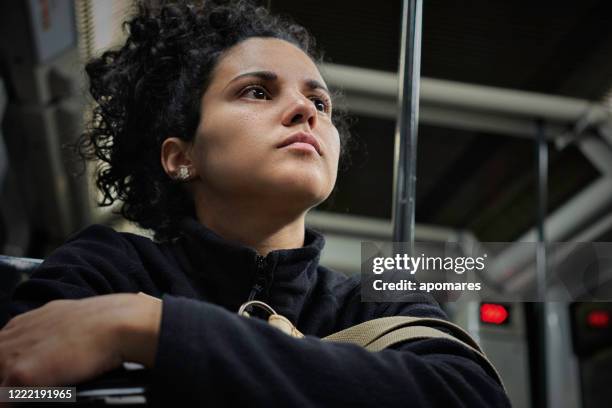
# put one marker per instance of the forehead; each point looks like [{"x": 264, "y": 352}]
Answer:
[{"x": 266, "y": 54}]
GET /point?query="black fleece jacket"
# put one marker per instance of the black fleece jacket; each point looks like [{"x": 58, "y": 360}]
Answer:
[{"x": 209, "y": 356}]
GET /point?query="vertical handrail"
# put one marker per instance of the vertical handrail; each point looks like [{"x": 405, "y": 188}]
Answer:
[
  {"x": 541, "y": 260},
  {"x": 404, "y": 177},
  {"x": 542, "y": 183}
]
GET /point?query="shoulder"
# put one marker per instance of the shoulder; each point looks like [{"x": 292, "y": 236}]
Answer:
[
  {"x": 336, "y": 282},
  {"x": 102, "y": 235},
  {"x": 346, "y": 289},
  {"x": 94, "y": 260},
  {"x": 101, "y": 241}
]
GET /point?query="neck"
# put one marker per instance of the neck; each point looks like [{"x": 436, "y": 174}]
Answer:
[{"x": 253, "y": 225}]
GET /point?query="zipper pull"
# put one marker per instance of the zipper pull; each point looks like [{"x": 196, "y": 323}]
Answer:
[
  {"x": 261, "y": 263},
  {"x": 260, "y": 277}
]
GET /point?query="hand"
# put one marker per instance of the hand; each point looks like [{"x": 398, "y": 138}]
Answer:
[{"x": 66, "y": 342}]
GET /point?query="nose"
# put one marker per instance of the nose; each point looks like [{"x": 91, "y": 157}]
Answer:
[{"x": 300, "y": 110}]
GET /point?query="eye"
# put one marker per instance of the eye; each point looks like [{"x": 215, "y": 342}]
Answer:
[
  {"x": 255, "y": 92},
  {"x": 321, "y": 104}
]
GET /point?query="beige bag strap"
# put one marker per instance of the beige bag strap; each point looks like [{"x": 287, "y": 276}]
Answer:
[
  {"x": 365, "y": 333},
  {"x": 379, "y": 334},
  {"x": 410, "y": 333}
]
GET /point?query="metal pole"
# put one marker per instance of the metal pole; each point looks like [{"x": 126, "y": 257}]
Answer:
[
  {"x": 542, "y": 177},
  {"x": 407, "y": 123},
  {"x": 541, "y": 261}
]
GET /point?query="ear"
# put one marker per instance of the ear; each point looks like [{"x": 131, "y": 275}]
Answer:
[{"x": 175, "y": 154}]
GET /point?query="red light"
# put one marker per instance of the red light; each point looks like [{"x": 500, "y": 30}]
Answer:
[
  {"x": 492, "y": 313},
  {"x": 598, "y": 319}
]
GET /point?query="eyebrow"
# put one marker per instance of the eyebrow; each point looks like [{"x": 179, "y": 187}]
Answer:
[{"x": 312, "y": 84}]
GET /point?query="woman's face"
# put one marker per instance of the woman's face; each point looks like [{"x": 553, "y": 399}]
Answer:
[{"x": 265, "y": 131}]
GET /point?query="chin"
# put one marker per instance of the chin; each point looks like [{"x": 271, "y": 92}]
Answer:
[{"x": 305, "y": 192}]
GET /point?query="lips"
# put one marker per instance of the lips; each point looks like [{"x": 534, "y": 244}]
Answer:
[{"x": 301, "y": 137}]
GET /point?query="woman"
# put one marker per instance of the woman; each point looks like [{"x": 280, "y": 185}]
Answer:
[{"x": 218, "y": 132}]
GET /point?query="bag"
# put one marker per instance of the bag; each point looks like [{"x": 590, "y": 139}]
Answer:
[{"x": 379, "y": 334}]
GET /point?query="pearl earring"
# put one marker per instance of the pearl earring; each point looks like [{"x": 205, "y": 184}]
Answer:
[{"x": 183, "y": 173}]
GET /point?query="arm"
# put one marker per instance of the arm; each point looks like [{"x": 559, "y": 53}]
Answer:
[
  {"x": 93, "y": 262},
  {"x": 204, "y": 349},
  {"x": 39, "y": 344}
]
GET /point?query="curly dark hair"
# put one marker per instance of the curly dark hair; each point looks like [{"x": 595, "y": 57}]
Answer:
[{"x": 150, "y": 88}]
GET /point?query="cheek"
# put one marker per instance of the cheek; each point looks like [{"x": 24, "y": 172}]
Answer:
[
  {"x": 227, "y": 142},
  {"x": 335, "y": 152}
]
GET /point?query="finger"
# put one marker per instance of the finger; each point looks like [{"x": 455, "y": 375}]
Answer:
[
  {"x": 13, "y": 322},
  {"x": 38, "y": 318},
  {"x": 15, "y": 330},
  {"x": 39, "y": 312},
  {"x": 18, "y": 375},
  {"x": 21, "y": 320},
  {"x": 32, "y": 371}
]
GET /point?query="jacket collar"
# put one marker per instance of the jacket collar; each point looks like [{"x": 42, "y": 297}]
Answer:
[{"x": 226, "y": 273}]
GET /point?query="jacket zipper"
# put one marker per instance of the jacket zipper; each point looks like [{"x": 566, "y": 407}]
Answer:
[{"x": 260, "y": 277}]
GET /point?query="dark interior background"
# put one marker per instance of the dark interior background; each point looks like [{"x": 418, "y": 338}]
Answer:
[{"x": 475, "y": 180}]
